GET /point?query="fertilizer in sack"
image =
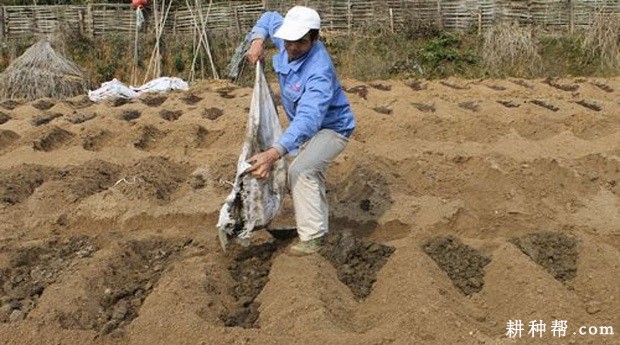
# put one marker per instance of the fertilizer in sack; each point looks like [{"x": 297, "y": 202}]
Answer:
[{"x": 252, "y": 203}]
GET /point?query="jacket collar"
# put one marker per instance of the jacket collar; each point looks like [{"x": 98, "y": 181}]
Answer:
[{"x": 283, "y": 66}]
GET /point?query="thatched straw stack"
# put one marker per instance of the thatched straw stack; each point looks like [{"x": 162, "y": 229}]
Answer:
[
  {"x": 603, "y": 38},
  {"x": 41, "y": 72}
]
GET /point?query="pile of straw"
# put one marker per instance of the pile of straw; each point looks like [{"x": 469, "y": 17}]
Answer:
[
  {"x": 603, "y": 38},
  {"x": 510, "y": 49},
  {"x": 41, "y": 72}
]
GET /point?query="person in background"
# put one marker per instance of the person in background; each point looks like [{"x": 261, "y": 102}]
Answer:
[{"x": 321, "y": 119}]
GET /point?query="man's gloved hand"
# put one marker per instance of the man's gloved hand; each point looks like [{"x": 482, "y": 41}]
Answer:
[
  {"x": 255, "y": 52},
  {"x": 262, "y": 163}
]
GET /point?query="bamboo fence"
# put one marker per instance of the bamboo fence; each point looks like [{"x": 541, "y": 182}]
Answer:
[{"x": 346, "y": 16}]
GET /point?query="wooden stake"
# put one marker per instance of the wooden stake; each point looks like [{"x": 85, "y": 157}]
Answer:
[
  {"x": 571, "y": 16},
  {"x": 2, "y": 27},
  {"x": 203, "y": 38},
  {"x": 156, "y": 54},
  {"x": 134, "y": 74}
]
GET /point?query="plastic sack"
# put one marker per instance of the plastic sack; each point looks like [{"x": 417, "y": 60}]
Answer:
[
  {"x": 113, "y": 89},
  {"x": 163, "y": 84},
  {"x": 116, "y": 89},
  {"x": 253, "y": 203}
]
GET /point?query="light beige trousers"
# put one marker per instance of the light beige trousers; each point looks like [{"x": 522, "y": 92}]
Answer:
[{"x": 306, "y": 179}]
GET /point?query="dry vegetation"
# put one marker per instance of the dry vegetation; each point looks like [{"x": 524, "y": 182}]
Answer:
[
  {"x": 510, "y": 50},
  {"x": 603, "y": 39},
  {"x": 41, "y": 72},
  {"x": 506, "y": 50}
]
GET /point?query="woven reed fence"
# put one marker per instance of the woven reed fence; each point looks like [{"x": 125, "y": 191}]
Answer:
[{"x": 338, "y": 15}]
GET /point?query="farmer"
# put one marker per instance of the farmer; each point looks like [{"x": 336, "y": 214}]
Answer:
[{"x": 321, "y": 119}]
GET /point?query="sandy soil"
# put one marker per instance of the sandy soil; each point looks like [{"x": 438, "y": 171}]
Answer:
[{"x": 458, "y": 206}]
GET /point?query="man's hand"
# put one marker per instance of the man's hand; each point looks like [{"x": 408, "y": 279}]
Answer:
[
  {"x": 255, "y": 52},
  {"x": 262, "y": 163}
]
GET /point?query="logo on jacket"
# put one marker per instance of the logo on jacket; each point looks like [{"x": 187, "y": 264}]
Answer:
[{"x": 295, "y": 87}]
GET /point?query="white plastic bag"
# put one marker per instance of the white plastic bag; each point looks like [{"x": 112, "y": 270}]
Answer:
[
  {"x": 253, "y": 203},
  {"x": 113, "y": 89},
  {"x": 116, "y": 89}
]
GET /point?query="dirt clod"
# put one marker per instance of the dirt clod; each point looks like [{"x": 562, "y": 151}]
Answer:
[
  {"x": 130, "y": 115},
  {"x": 42, "y": 119},
  {"x": 416, "y": 85},
  {"x": 212, "y": 113},
  {"x": 556, "y": 252},
  {"x": 250, "y": 271},
  {"x": 470, "y": 105},
  {"x": 153, "y": 100},
  {"x": 589, "y": 105},
  {"x": 425, "y": 108},
  {"x": 148, "y": 137},
  {"x": 10, "y": 104},
  {"x": 80, "y": 118},
  {"x": 382, "y": 87},
  {"x": 544, "y": 104},
  {"x": 153, "y": 178},
  {"x": 383, "y": 110},
  {"x": 4, "y": 118},
  {"x": 7, "y": 137},
  {"x": 357, "y": 261},
  {"x": 170, "y": 115},
  {"x": 191, "y": 99},
  {"x": 125, "y": 283},
  {"x": 463, "y": 264},
  {"x": 454, "y": 86},
  {"x": 360, "y": 90},
  {"x": 52, "y": 139},
  {"x": 43, "y": 104},
  {"x": 32, "y": 269},
  {"x": 18, "y": 183}
]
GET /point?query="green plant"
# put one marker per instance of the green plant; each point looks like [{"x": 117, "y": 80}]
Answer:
[
  {"x": 179, "y": 63},
  {"x": 447, "y": 54}
]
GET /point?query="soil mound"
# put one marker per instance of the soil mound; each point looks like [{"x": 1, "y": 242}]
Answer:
[{"x": 458, "y": 205}]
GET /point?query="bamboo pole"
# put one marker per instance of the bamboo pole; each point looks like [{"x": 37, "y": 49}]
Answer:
[
  {"x": 90, "y": 21},
  {"x": 571, "y": 16},
  {"x": 349, "y": 17},
  {"x": 197, "y": 45},
  {"x": 2, "y": 25},
  {"x": 237, "y": 21},
  {"x": 134, "y": 74},
  {"x": 203, "y": 27},
  {"x": 439, "y": 14},
  {"x": 155, "y": 59},
  {"x": 203, "y": 39}
]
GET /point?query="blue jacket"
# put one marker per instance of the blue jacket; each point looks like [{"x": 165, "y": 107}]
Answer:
[{"x": 309, "y": 88}]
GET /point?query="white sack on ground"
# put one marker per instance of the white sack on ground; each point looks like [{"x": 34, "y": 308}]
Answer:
[
  {"x": 116, "y": 89},
  {"x": 163, "y": 84},
  {"x": 253, "y": 203}
]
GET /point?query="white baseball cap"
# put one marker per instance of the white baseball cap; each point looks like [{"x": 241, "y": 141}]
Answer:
[{"x": 297, "y": 22}]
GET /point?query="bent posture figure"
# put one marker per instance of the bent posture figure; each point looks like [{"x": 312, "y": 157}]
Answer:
[{"x": 321, "y": 120}]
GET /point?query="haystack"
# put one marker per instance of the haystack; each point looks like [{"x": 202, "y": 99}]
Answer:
[{"x": 41, "y": 72}]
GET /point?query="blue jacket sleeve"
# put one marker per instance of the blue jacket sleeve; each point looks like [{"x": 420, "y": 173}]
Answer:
[
  {"x": 310, "y": 112},
  {"x": 266, "y": 26}
]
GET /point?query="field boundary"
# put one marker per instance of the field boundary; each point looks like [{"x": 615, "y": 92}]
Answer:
[{"x": 237, "y": 17}]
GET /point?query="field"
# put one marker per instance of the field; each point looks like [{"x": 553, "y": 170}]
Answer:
[{"x": 458, "y": 206}]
